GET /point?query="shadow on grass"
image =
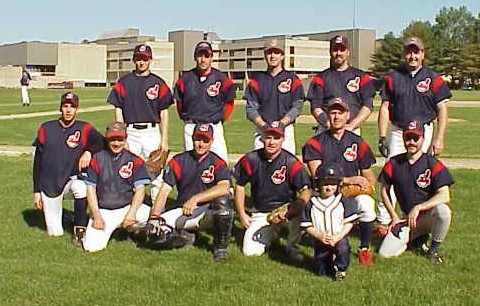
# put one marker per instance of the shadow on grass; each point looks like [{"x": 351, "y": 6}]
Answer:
[{"x": 34, "y": 218}]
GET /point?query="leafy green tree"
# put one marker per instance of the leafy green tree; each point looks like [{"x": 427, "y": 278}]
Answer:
[{"x": 388, "y": 55}]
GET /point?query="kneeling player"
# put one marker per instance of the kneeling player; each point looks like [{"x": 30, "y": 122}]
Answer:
[
  {"x": 202, "y": 179},
  {"x": 328, "y": 219},
  {"x": 116, "y": 182}
]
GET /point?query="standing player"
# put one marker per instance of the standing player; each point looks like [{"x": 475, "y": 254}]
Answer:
[
  {"x": 205, "y": 95},
  {"x": 353, "y": 154},
  {"x": 274, "y": 95},
  {"x": 24, "y": 82},
  {"x": 202, "y": 179},
  {"x": 63, "y": 148},
  {"x": 412, "y": 92},
  {"x": 422, "y": 185},
  {"x": 116, "y": 182},
  {"x": 141, "y": 100},
  {"x": 276, "y": 178},
  {"x": 353, "y": 85},
  {"x": 328, "y": 219}
]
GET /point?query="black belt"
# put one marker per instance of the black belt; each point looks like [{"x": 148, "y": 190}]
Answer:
[
  {"x": 201, "y": 122},
  {"x": 142, "y": 126}
]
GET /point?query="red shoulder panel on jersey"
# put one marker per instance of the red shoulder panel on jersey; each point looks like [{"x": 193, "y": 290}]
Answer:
[
  {"x": 365, "y": 79},
  {"x": 315, "y": 144},
  {"x": 228, "y": 109},
  {"x": 437, "y": 83},
  {"x": 439, "y": 166},
  {"x": 319, "y": 81},
  {"x": 246, "y": 166},
  {"x": 137, "y": 162},
  {"x": 181, "y": 86},
  {"x": 227, "y": 84},
  {"x": 388, "y": 169},
  {"x": 363, "y": 148},
  {"x": 254, "y": 84},
  {"x": 41, "y": 135},
  {"x": 389, "y": 81},
  {"x": 297, "y": 83},
  {"x": 294, "y": 169},
  {"x": 85, "y": 131},
  {"x": 94, "y": 165},
  {"x": 164, "y": 90},
  {"x": 219, "y": 164},
  {"x": 177, "y": 169},
  {"x": 120, "y": 89}
]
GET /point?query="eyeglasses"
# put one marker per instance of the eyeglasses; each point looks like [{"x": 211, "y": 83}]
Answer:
[
  {"x": 273, "y": 51},
  {"x": 413, "y": 137}
]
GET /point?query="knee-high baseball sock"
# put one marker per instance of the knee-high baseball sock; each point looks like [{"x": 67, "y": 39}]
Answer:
[
  {"x": 366, "y": 229},
  {"x": 80, "y": 216}
]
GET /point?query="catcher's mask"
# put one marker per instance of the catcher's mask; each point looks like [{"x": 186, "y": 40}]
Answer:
[{"x": 328, "y": 174}]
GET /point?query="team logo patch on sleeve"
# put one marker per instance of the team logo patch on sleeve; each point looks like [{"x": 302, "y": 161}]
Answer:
[
  {"x": 285, "y": 86},
  {"x": 152, "y": 92},
  {"x": 424, "y": 86},
  {"x": 208, "y": 175},
  {"x": 126, "y": 170},
  {"x": 424, "y": 179},
  {"x": 73, "y": 140},
  {"x": 279, "y": 176},
  {"x": 214, "y": 89},
  {"x": 353, "y": 85},
  {"x": 351, "y": 153}
]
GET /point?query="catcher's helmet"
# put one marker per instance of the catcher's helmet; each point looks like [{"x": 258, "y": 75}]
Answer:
[{"x": 332, "y": 173}]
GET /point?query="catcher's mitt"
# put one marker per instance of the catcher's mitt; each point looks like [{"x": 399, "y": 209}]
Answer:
[
  {"x": 278, "y": 215},
  {"x": 157, "y": 160},
  {"x": 354, "y": 190}
]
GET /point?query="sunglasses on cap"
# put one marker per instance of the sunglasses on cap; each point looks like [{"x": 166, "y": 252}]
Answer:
[{"x": 414, "y": 137}]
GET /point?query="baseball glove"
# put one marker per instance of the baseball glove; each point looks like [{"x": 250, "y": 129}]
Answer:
[
  {"x": 354, "y": 190},
  {"x": 278, "y": 215},
  {"x": 157, "y": 160}
]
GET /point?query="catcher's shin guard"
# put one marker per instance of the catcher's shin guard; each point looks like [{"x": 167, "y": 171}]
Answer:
[
  {"x": 222, "y": 225},
  {"x": 80, "y": 216}
]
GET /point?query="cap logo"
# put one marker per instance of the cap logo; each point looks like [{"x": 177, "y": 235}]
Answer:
[
  {"x": 142, "y": 48},
  {"x": 69, "y": 96},
  {"x": 424, "y": 86},
  {"x": 285, "y": 86},
  {"x": 353, "y": 85},
  {"x": 350, "y": 153},
  {"x": 204, "y": 127},
  {"x": 152, "y": 92},
  {"x": 331, "y": 172},
  {"x": 424, "y": 179},
  {"x": 279, "y": 176},
  {"x": 126, "y": 170},
  {"x": 208, "y": 175},
  {"x": 73, "y": 140},
  {"x": 338, "y": 40},
  {"x": 412, "y": 125},
  {"x": 214, "y": 89},
  {"x": 275, "y": 124}
]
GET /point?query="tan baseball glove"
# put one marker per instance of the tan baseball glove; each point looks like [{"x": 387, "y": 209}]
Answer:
[
  {"x": 354, "y": 190},
  {"x": 157, "y": 160},
  {"x": 278, "y": 215}
]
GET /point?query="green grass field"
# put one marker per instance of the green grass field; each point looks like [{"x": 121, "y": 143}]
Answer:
[{"x": 40, "y": 270}]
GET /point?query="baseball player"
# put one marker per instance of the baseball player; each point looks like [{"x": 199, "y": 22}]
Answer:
[
  {"x": 202, "y": 179},
  {"x": 205, "y": 95},
  {"x": 24, "y": 82},
  {"x": 328, "y": 218},
  {"x": 353, "y": 154},
  {"x": 422, "y": 185},
  {"x": 353, "y": 85},
  {"x": 63, "y": 147},
  {"x": 276, "y": 178},
  {"x": 141, "y": 100},
  {"x": 116, "y": 182},
  {"x": 412, "y": 92},
  {"x": 274, "y": 95}
]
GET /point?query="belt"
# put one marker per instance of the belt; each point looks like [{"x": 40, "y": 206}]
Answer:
[
  {"x": 142, "y": 126},
  {"x": 201, "y": 122}
]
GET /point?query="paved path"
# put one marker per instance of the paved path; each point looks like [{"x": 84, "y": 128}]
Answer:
[{"x": 452, "y": 163}]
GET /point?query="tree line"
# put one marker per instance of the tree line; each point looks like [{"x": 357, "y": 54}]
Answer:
[{"x": 452, "y": 47}]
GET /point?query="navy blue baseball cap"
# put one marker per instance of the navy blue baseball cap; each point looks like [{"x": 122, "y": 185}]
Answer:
[
  {"x": 414, "y": 127},
  {"x": 276, "y": 127},
  {"x": 203, "y": 46},
  {"x": 338, "y": 41},
  {"x": 204, "y": 131},
  {"x": 69, "y": 97},
  {"x": 337, "y": 103},
  {"x": 142, "y": 51}
]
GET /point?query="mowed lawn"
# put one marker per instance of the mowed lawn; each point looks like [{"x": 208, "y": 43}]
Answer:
[{"x": 39, "y": 270}]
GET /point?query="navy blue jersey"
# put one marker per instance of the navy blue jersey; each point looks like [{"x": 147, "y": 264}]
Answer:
[
  {"x": 414, "y": 184},
  {"x": 57, "y": 152},
  {"x": 115, "y": 176},
  {"x": 414, "y": 97},
  {"x": 351, "y": 152},
  {"x": 353, "y": 85},
  {"x": 192, "y": 176},
  {"x": 273, "y": 182},
  {"x": 25, "y": 80},
  {"x": 275, "y": 95},
  {"x": 329, "y": 215},
  {"x": 141, "y": 98},
  {"x": 204, "y": 99}
]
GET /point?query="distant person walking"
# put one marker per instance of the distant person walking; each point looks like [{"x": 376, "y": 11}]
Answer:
[{"x": 25, "y": 81}]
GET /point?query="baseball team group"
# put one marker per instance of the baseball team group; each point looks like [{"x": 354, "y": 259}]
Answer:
[{"x": 323, "y": 195}]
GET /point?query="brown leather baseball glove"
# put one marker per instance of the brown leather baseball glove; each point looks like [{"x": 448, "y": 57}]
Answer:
[
  {"x": 354, "y": 190},
  {"x": 157, "y": 161},
  {"x": 278, "y": 215}
]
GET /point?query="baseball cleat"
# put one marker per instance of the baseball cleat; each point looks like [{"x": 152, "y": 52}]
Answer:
[
  {"x": 365, "y": 257},
  {"x": 340, "y": 276},
  {"x": 78, "y": 234},
  {"x": 220, "y": 254},
  {"x": 435, "y": 257}
]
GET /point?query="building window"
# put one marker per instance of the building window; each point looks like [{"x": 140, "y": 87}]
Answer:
[
  {"x": 249, "y": 51},
  {"x": 232, "y": 53},
  {"x": 249, "y": 64},
  {"x": 292, "y": 50},
  {"x": 231, "y": 64},
  {"x": 292, "y": 62}
]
